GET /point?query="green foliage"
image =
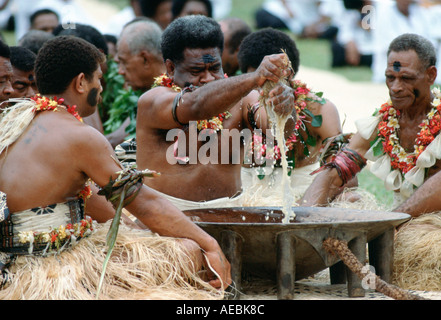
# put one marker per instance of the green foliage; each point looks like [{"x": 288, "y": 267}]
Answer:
[{"x": 119, "y": 102}]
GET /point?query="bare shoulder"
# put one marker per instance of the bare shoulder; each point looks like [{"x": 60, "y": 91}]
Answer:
[
  {"x": 154, "y": 96},
  {"x": 250, "y": 99},
  {"x": 155, "y": 109},
  {"x": 319, "y": 105},
  {"x": 89, "y": 138},
  {"x": 93, "y": 154}
]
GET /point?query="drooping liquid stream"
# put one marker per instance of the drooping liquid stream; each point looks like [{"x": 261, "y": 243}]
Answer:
[{"x": 277, "y": 123}]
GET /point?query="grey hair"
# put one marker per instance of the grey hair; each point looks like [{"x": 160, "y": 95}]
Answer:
[
  {"x": 424, "y": 49},
  {"x": 144, "y": 34}
]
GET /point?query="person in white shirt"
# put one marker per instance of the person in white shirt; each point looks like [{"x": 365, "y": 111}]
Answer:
[
  {"x": 394, "y": 18},
  {"x": 119, "y": 20},
  {"x": 354, "y": 44},
  {"x": 69, "y": 11},
  {"x": 294, "y": 15}
]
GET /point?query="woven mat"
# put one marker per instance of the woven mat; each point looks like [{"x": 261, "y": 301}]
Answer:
[{"x": 315, "y": 288}]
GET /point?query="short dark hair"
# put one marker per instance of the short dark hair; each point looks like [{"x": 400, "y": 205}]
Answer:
[
  {"x": 149, "y": 7},
  {"x": 110, "y": 38},
  {"x": 239, "y": 30},
  {"x": 190, "y": 32},
  {"x": 40, "y": 12},
  {"x": 178, "y": 6},
  {"x": 86, "y": 32},
  {"x": 34, "y": 40},
  {"x": 265, "y": 42},
  {"x": 424, "y": 49},
  {"x": 353, "y": 4},
  {"x": 63, "y": 58},
  {"x": 22, "y": 59},
  {"x": 5, "y": 51}
]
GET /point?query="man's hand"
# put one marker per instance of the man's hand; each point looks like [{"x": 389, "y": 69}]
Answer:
[
  {"x": 271, "y": 68},
  {"x": 282, "y": 100},
  {"x": 219, "y": 269}
]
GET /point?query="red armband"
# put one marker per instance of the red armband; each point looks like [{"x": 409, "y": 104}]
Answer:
[{"x": 347, "y": 162}]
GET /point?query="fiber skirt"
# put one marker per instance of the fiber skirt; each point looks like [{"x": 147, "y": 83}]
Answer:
[{"x": 143, "y": 265}]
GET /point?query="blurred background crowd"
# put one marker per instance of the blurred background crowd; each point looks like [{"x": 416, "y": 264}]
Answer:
[{"x": 357, "y": 31}]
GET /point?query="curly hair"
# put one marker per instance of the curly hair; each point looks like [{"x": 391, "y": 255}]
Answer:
[
  {"x": 23, "y": 59},
  {"x": 63, "y": 58},
  {"x": 265, "y": 42},
  {"x": 190, "y": 32},
  {"x": 424, "y": 49}
]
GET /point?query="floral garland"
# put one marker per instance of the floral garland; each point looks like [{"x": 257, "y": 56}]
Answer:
[
  {"x": 47, "y": 104},
  {"x": 215, "y": 123},
  {"x": 86, "y": 193},
  {"x": 389, "y": 126},
  {"x": 401, "y": 170},
  {"x": 57, "y": 238},
  {"x": 301, "y": 94}
]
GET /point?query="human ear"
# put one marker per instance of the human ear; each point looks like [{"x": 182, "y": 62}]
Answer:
[
  {"x": 80, "y": 82},
  {"x": 432, "y": 73},
  {"x": 145, "y": 55},
  {"x": 170, "y": 67}
]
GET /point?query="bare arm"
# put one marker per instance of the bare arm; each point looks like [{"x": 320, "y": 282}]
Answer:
[
  {"x": 327, "y": 185},
  {"x": 426, "y": 198},
  {"x": 281, "y": 98},
  {"x": 154, "y": 107},
  {"x": 155, "y": 212},
  {"x": 331, "y": 121},
  {"x": 165, "y": 219}
]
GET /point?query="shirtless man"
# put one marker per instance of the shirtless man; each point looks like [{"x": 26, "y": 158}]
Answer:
[
  {"x": 53, "y": 158},
  {"x": 403, "y": 138},
  {"x": 307, "y": 146},
  {"x": 5, "y": 73},
  {"x": 192, "y": 48},
  {"x": 410, "y": 74}
]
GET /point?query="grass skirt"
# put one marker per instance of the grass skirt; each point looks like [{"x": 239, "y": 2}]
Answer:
[
  {"x": 143, "y": 266},
  {"x": 417, "y": 257}
]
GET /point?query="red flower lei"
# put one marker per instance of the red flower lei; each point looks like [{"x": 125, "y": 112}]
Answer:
[
  {"x": 215, "y": 123},
  {"x": 47, "y": 104},
  {"x": 301, "y": 93},
  {"x": 387, "y": 130}
]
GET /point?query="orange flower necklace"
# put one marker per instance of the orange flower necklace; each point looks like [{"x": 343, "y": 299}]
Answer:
[{"x": 215, "y": 123}]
